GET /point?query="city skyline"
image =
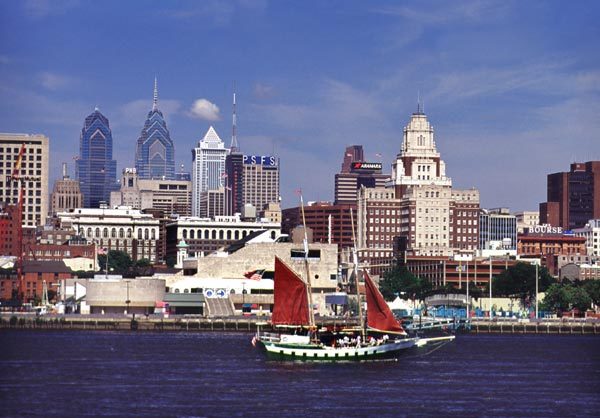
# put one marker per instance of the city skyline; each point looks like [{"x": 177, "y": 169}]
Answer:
[{"x": 510, "y": 89}]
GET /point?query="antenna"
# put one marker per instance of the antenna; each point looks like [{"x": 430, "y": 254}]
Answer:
[
  {"x": 234, "y": 145},
  {"x": 64, "y": 170},
  {"x": 155, "y": 101},
  {"x": 418, "y": 101}
]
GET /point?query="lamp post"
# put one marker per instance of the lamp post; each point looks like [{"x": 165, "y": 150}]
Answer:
[
  {"x": 127, "y": 301},
  {"x": 490, "y": 286},
  {"x": 536, "y": 290}
]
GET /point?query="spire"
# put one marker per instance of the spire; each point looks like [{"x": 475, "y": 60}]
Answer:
[
  {"x": 234, "y": 145},
  {"x": 155, "y": 101}
]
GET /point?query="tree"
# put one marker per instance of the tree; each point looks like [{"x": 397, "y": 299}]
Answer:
[
  {"x": 592, "y": 287},
  {"x": 119, "y": 262},
  {"x": 562, "y": 297},
  {"x": 579, "y": 298},
  {"x": 402, "y": 282},
  {"x": 518, "y": 282}
]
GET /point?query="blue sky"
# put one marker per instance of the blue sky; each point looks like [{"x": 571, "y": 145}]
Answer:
[{"x": 512, "y": 88}]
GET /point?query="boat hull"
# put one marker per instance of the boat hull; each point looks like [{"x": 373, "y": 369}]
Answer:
[{"x": 314, "y": 352}]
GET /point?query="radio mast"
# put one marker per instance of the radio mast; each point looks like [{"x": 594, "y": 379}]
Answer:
[{"x": 234, "y": 144}]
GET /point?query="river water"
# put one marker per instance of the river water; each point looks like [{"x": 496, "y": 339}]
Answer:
[{"x": 117, "y": 374}]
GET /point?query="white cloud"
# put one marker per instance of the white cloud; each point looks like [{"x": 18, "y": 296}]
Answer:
[{"x": 203, "y": 109}]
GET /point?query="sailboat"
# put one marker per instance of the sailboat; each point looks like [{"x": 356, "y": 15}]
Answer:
[{"x": 299, "y": 338}]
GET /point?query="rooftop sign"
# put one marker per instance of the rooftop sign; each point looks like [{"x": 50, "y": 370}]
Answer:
[
  {"x": 264, "y": 160},
  {"x": 361, "y": 165}
]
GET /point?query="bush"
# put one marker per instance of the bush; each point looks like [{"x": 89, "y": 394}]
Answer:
[{"x": 13, "y": 321}]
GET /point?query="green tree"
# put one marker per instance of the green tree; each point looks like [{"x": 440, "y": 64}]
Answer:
[
  {"x": 403, "y": 283},
  {"x": 592, "y": 287},
  {"x": 579, "y": 298},
  {"x": 518, "y": 282},
  {"x": 119, "y": 262},
  {"x": 556, "y": 298}
]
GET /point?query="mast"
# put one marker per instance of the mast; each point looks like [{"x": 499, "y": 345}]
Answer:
[
  {"x": 311, "y": 314},
  {"x": 355, "y": 261}
]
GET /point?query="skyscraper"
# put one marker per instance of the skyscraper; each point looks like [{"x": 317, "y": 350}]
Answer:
[
  {"x": 355, "y": 174},
  {"x": 208, "y": 168},
  {"x": 95, "y": 168},
  {"x": 155, "y": 153}
]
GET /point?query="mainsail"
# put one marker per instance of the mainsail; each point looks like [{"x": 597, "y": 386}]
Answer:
[
  {"x": 379, "y": 314},
  {"x": 290, "y": 304}
]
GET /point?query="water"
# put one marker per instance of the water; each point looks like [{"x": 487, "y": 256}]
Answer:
[{"x": 78, "y": 374}]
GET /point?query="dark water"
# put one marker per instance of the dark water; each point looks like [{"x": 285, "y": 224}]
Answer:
[{"x": 75, "y": 374}]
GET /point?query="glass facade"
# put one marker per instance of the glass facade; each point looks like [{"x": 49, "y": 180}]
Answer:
[
  {"x": 155, "y": 152},
  {"x": 95, "y": 168},
  {"x": 497, "y": 228}
]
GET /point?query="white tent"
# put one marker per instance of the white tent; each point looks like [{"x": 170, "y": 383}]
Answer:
[{"x": 400, "y": 304}]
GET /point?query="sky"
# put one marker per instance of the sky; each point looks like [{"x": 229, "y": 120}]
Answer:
[{"x": 512, "y": 88}]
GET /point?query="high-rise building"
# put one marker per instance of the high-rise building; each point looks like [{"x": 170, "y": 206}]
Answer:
[
  {"x": 66, "y": 194},
  {"x": 260, "y": 180},
  {"x": 420, "y": 214},
  {"x": 356, "y": 173},
  {"x": 95, "y": 168},
  {"x": 234, "y": 171},
  {"x": 155, "y": 153},
  {"x": 573, "y": 197},
  {"x": 33, "y": 172},
  {"x": 591, "y": 233},
  {"x": 208, "y": 168}
]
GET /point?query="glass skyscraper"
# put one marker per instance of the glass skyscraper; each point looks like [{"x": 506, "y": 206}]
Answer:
[
  {"x": 95, "y": 168},
  {"x": 155, "y": 153}
]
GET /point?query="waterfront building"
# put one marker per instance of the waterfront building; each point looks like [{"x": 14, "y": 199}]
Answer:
[
  {"x": 123, "y": 228},
  {"x": 548, "y": 245},
  {"x": 169, "y": 196},
  {"x": 591, "y": 233},
  {"x": 33, "y": 171},
  {"x": 497, "y": 230},
  {"x": 527, "y": 219},
  {"x": 573, "y": 197},
  {"x": 36, "y": 273},
  {"x": 95, "y": 168},
  {"x": 208, "y": 170},
  {"x": 155, "y": 152},
  {"x": 204, "y": 235},
  {"x": 355, "y": 173},
  {"x": 66, "y": 194}
]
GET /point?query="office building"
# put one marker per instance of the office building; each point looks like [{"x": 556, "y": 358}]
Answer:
[
  {"x": 526, "y": 220},
  {"x": 355, "y": 173},
  {"x": 591, "y": 233},
  {"x": 573, "y": 197},
  {"x": 234, "y": 171},
  {"x": 155, "y": 153},
  {"x": 260, "y": 180},
  {"x": 497, "y": 230},
  {"x": 33, "y": 172},
  {"x": 169, "y": 196},
  {"x": 208, "y": 169},
  {"x": 95, "y": 168}
]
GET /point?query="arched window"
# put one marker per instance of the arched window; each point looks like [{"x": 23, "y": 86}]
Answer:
[
  {"x": 272, "y": 234},
  {"x": 121, "y": 233},
  {"x": 243, "y": 234},
  {"x": 221, "y": 234},
  {"x": 97, "y": 232},
  {"x": 184, "y": 233},
  {"x": 129, "y": 232},
  {"x": 214, "y": 234},
  {"x": 236, "y": 235},
  {"x": 228, "y": 235},
  {"x": 89, "y": 233},
  {"x": 113, "y": 233},
  {"x": 105, "y": 233},
  {"x": 153, "y": 233},
  {"x": 192, "y": 234},
  {"x": 146, "y": 234},
  {"x": 206, "y": 234},
  {"x": 139, "y": 233}
]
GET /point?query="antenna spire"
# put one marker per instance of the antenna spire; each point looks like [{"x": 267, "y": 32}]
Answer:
[
  {"x": 155, "y": 101},
  {"x": 234, "y": 144},
  {"x": 419, "y": 111}
]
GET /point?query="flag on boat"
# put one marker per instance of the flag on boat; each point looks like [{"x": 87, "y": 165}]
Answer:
[{"x": 254, "y": 274}]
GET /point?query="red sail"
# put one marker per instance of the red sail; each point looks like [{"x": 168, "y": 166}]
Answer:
[
  {"x": 291, "y": 304},
  {"x": 379, "y": 314}
]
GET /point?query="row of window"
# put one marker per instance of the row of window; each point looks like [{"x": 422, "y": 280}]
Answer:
[{"x": 142, "y": 233}]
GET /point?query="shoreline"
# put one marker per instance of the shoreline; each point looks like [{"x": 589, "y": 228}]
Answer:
[{"x": 26, "y": 321}]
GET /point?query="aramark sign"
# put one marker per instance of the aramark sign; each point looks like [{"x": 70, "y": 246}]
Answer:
[
  {"x": 545, "y": 229},
  {"x": 361, "y": 165},
  {"x": 264, "y": 160}
]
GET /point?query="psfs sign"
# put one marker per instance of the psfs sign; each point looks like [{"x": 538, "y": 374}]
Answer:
[
  {"x": 264, "y": 160},
  {"x": 361, "y": 165}
]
